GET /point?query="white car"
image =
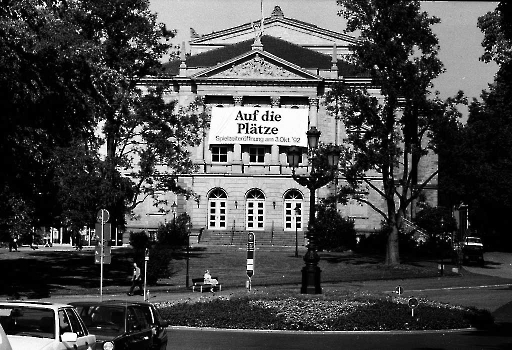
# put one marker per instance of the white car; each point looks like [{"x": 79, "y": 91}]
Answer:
[
  {"x": 4, "y": 342},
  {"x": 44, "y": 326}
]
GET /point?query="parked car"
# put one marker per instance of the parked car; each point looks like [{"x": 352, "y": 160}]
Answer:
[
  {"x": 4, "y": 342},
  {"x": 117, "y": 325},
  {"x": 156, "y": 321},
  {"x": 44, "y": 326},
  {"x": 473, "y": 250}
]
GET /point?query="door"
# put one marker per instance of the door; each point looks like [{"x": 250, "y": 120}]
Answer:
[
  {"x": 69, "y": 322},
  {"x": 139, "y": 331}
]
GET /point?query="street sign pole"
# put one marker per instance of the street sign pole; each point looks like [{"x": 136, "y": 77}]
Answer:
[
  {"x": 146, "y": 259},
  {"x": 102, "y": 217},
  {"x": 102, "y": 251},
  {"x": 250, "y": 257}
]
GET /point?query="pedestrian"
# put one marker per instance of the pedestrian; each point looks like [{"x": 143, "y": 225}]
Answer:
[
  {"x": 136, "y": 280},
  {"x": 209, "y": 280},
  {"x": 33, "y": 242}
]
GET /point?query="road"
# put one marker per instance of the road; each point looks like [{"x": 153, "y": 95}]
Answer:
[
  {"x": 497, "y": 298},
  {"x": 193, "y": 339}
]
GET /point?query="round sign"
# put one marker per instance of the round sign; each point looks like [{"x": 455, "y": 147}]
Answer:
[
  {"x": 413, "y": 303},
  {"x": 103, "y": 215}
]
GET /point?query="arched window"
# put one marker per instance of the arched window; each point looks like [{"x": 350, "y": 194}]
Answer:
[
  {"x": 293, "y": 210},
  {"x": 217, "y": 209},
  {"x": 255, "y": 210}
]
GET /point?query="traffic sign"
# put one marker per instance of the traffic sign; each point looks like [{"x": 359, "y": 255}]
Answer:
[
  {"x": 399, "y": 290},
  {"x": 413, "y": 304},
  {"x": 106, "y": 255},
  {"x": 103, "y": 215},
  {"x": 106, "y": 232},
  {"x": 250, "y": 254}
]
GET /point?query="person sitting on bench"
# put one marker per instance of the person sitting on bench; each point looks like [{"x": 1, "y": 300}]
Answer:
[{"x": 209, "y": 280}]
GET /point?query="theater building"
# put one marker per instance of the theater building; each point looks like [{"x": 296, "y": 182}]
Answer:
[{"x": 265, "y": 86}]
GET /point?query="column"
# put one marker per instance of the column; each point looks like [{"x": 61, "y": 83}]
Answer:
[
  {"x": 313, "y": 109},
  {"x": 237, "y": 164},
  {"x": 200, "y": 150},
  {"x": 275, "y": 102}
]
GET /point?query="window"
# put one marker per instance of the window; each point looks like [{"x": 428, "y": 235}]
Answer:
[
  {"x": 292, "y": 219},
  {"x": 256, "y": 154},
  {"x": 217, "y": 209},
  {"x": 219, "y": 154},
  {"x": 255, "y": 210}
]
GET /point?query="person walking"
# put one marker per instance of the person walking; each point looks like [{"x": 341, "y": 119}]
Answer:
[{"x": 136, "y": 280}]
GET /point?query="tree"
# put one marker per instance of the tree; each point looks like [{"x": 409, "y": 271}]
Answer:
[
  {"x": 146, "y": 136},
  {"x": 69, "y": 68},
  {"x": 389, "y": 135},
  {"x": 47, "y": 100},
  {"x": 478, "y": 166}
]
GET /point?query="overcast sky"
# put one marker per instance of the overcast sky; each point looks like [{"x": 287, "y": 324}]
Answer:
[{"x": 459, "y": 37}]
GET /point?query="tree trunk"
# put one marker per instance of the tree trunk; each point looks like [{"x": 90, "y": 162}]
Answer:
[
  {"x": 392, "y": 251},
  {"x": 392, "y": 247}
]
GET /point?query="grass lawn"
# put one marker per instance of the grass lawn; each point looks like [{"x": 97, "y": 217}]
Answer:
[
  {"x": 49, "y": 271},
  {"x": 273, "y": 304}
]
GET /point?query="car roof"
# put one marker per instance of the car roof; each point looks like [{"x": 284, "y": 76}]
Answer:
[
  {"x": 123, "y": 303},
  {"x": 33, "y": 303},
  {"x": 143, "y": 303}
]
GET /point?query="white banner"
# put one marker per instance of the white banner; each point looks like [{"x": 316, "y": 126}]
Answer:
[{"x": 257, "y": 125}]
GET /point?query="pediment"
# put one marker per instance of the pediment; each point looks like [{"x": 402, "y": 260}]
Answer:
[
  {"x": 257, "y": 65},
  {"x": 301, "y": 33}
]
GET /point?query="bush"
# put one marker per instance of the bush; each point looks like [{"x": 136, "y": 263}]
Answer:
[
  {"x": 139, "y": 241},
  {"x": 159, "y": 264},
  {"x": 334, "y": 232},
  {"x": 375, "y": 243},
  {"x": 325, "y": 313},
  {"x": 175, "y": 233}
]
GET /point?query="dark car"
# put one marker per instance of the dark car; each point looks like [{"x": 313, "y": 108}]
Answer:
[
  {"x": 155, "y": 320},
  {"x": 119, "y": 325}
]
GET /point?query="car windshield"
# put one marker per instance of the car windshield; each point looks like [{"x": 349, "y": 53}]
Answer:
[
  {"x": 104, "y": 319},
  {"x": 28, "y": 321},
  {"x": 473, "y": 240}
]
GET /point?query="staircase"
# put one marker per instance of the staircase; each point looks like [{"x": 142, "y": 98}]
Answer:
[{"x": 239, "y": 238}]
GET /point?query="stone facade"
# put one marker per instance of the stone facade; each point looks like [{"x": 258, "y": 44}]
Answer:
[{"x": 245, "y": 191}]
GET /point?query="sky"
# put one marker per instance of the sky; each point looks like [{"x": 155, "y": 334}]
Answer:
[{"x": 459, "y": 37}]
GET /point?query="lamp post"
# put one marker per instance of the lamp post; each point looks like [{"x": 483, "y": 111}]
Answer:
[
  {"x": 188, "y": 258},
  {"x": 297, "y": 213},
  {"x": 316, "y": 179},
  {"x": 441, "y": 248}
]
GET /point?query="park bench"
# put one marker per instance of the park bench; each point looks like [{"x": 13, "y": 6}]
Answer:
[{"x": 198, "y": 283}]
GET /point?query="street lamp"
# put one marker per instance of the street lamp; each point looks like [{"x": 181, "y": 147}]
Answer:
[
  {"x": 188, "y": 258},
  {"x": 297, "y": 213},
  {"x": 311, "y": 272},
  {"x": 173, "y": 209}
]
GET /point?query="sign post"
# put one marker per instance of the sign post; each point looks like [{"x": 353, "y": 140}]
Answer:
[
  {"x": 103, "y": 216},
  {"x": 146, "y": 259},
  {"x": 250, "y": 256},
  {"x": 413, "y": 304}
]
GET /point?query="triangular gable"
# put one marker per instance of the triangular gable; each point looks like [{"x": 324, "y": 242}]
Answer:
[
  {"x": 301, "y": 33},
  {"x": 257, "y": 64}
]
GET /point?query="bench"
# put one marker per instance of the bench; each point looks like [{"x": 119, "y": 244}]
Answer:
[{"x": 199, "y": 284}]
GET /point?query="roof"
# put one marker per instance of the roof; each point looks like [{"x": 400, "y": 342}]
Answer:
[
  {"x": 295, "y": 54},
  {"x": 39, "y": 304},
  {"x": 276, "y": 18}
]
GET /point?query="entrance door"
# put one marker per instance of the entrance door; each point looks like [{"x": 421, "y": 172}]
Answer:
[{"x": 255, "y": 210}]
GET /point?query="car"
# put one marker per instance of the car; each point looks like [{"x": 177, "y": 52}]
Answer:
[
  {"x": 156, "y": 321},
  {"x": 117, "y": 325},
  {"x": 39, "y": 325},
  {"x": 5, "y": 344},
  {"x": 473, "y": 250}
]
